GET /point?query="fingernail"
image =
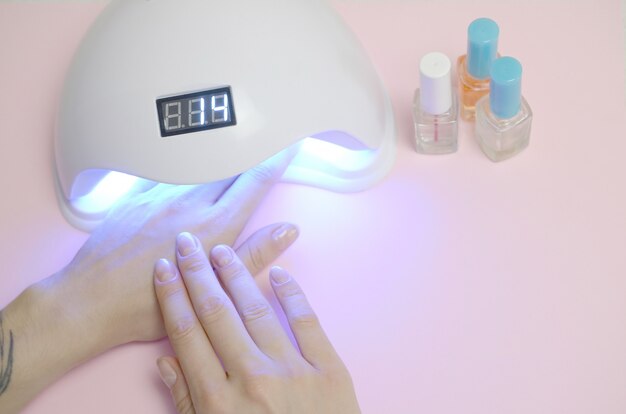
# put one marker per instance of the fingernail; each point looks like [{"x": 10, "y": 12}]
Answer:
[
  {"x": 285, "y": 235},
  {"x": 186, "y": 244},
  {"x": 164, "y": 271},
  {"x": 167, "y": 373},
  {"x": 279, "y": 275},
  {"x": 221, "y": 256}
]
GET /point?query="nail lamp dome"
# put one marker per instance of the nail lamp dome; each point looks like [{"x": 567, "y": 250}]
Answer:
[{"x": 197, "y": 91}]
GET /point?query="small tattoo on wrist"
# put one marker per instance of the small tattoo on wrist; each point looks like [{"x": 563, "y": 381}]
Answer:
[{"x": 6, "y": 357}]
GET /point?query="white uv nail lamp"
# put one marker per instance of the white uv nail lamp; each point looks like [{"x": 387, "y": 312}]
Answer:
[{"x": 199, "y": 91}]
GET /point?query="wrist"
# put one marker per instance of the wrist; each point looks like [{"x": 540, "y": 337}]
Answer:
[
  {"x": 45, "y": 341},
  {"x": 50, "y": 328},
  {"x": 63, "y": 313}
]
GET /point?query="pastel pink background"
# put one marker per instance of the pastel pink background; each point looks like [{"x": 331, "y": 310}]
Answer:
[{"x": 456, "y": 285}]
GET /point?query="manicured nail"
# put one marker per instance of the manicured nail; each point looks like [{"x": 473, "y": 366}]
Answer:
[
  {"x": 285, "y": 235},
  {"x": 279, "y": 275},
  {"x": 164, "y": 271},
  {"x": 167, "y": 373},
  {"x": 186, "y": 244},
  {"x": 221, "y": 256}
]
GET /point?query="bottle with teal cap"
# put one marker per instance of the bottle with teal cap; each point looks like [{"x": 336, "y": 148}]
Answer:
[
  {"x": 503, "y": 118},
  {"x": 473, "y": 67}
]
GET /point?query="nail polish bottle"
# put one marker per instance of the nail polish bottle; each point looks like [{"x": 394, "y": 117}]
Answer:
[
  {"x": 473, "y": 68},
  {"x": 435, "y": 107},
  {"x": 503, "y": 118}
]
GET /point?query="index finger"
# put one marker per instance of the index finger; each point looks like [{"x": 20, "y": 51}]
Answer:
[{"x": 247, "y": 192}]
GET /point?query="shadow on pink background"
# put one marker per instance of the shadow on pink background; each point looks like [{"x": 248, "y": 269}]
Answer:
[{"x": 456, "y": 285}]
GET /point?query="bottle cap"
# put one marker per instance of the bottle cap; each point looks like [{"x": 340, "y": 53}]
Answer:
[
  {"x": 505, "y": 95},
  {"x": 435, "y": 84},
  {"x": 482, "y": 47}
]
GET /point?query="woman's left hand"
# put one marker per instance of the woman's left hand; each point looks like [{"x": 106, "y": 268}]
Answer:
[{"x": 109, "y": 281}]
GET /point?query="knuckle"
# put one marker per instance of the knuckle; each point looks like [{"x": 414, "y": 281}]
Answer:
[
  {"x": 166, "y": 292},
  {"x": 179, "y": 204},
  {"x": 182, "y": 329},
  {"x": 290, "y": 290},
  {"x": 337, "y": 374},
  {"x": 213, "y": 398},
  {"x": 305, "y": 380},
  {"x": 192, "y": 265},
  {"x": 255, "y": 311},
  {"x": 184, "y": 404},
  {"x": 258, "y": 385},
  {"x": 304, "y": 320},
  {"x": 233, "y": 272},
  {"x": 337, "y": 377},
  {"x": 211, "y": 309},
  {"x": 219, "y": 214},
  {"x": 258, "y": 258},
  {"x": 262, "y": 173}
]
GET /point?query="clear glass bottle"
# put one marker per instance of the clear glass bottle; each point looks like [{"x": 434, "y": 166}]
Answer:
[
  {"x": 473, "y": 68},
  {"x": 504, "y": 118},
  {"x": 435, "y": 107}
]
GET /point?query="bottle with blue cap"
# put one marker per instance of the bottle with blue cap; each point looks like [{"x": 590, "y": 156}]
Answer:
[
  {"x": 473, "y": 68},
  {"x": 503, "y": 118},
  {"x": 435, "y": 107}
]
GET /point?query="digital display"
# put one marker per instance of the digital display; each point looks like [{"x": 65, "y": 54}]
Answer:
[{"x": 196, "y": 111}]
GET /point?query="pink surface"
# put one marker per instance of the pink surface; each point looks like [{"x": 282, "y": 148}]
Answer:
[{"x": 456, "y": 285}]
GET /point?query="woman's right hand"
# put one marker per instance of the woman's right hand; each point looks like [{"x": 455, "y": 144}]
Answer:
[{"x": 232, "y": 354}]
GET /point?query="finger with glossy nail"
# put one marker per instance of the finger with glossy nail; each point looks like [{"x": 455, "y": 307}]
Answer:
[
  {"x": 172, "y": 376},
  {"x": 265, "y": 245},
  {"x": 213, "y": 307},
  {"x": 312, "y": 340},
  {"x": 254, "y": 309}
]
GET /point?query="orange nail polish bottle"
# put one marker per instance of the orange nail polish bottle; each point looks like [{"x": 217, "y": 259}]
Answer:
[{"x": 473, "y": 68}]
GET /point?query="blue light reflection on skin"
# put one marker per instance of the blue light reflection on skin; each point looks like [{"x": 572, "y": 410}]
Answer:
[{"x": 317, "y": 163}]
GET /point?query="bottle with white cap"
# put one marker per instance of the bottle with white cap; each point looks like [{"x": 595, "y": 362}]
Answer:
[
  {"x": 503, "y": 118},
  {"x": 435, "y": 107}
]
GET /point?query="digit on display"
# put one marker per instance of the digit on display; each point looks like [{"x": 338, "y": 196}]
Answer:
[{"x": 182, "y": 114}]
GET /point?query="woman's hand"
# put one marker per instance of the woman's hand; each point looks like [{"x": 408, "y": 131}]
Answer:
[
  {"x": 109, "y": 281},
  {"x": 105, "y": 296},
  {"x": 233, "y": 355}
]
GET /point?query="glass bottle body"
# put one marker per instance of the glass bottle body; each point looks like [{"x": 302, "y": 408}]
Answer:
[
  {"x": 435, "y": 134},
  {"x": 502, "y": 138},
  {"x": 470, "y": 90}
]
